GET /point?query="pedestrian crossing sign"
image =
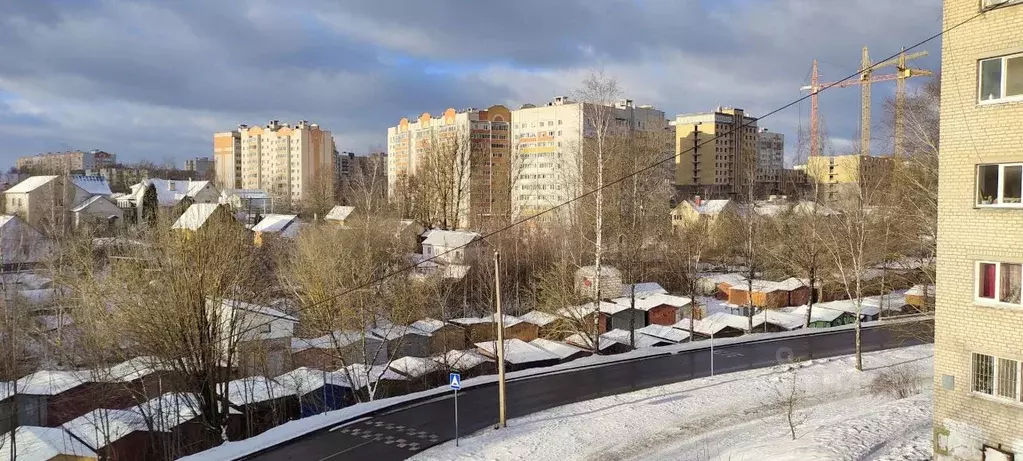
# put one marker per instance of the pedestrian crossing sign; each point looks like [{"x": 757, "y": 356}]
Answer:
[{"x": 456, "y": 381}]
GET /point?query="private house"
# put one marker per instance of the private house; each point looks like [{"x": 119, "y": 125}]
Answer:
[
  {"x": 700, "y": 210},
  {"x": 718, "y": 325},
  {"x": 339, "y": 214},
  {"x": 450, "y": 247},
  {"x": 421, "y": 373},
  {"x": 442, "y": 336},
  {"x": 317, "y": 391},
  {"x": 664, "y": 333},
  {"x": 21, "y": 245},
  {"x": 115, "y": 435},
  {"x": 98, "y": 211},
  {"x": 467, "y": 362},
  {"x": 44, "y": 444},
  {"x": 248, "y": 204},
  {"x": 564, "y": 351},
  {"x": 518, "y": 354},
  {"x": 284, "y": 226},
  {"x": 44, "y": 201},
  {"x": 546, "y": 323},
  {"x": 610, "y": 281},
  {"x": 169, "y": 194},
  {"x": 262, "y": 402},
  {"x": 403, "y": 340},
  {"x": 341, "y": 348},
  {"x": 265, "y": 335},
  {"x": 199, "y": 216}
]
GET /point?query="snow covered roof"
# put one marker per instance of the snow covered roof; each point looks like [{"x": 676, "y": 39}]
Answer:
[
  {"x": 250, "y": 194},
  {"x": 88, "y": 202},
  {"x": 45, "y": 382},
  {"x": 170, "y": 410},
  {"x": 390, "y": 331},
  {"x": 92, "y": 185},
  {"x": 25, "y": 279},
  {"x": 465, "y": 321},
  {"x": 428, "y": 325},
  {"x": 562, "y": 350},
  {"x": 654, "y": 300},
  {"x": 331, "y": 340},
  {"x": 710, "y": 207},
  {"x": 586, "y": 342},
  {"x": 732, "y": 279},
  {"x": 786, "y": 320},
  {"x": 6, "y": 390},
  {"x": 258, "y": 309},
  {"x": 128, "y": 370},
  {"x": 42, "y": 444},
  {"x": 820, "y": 312},
  {"x": 254, "y": 389},
  {"x": 362, "y": 375},
  {"x": 643, "y": 289},
  {"x": 414, "y": 367},
  {"x": 169, "y": 192},
  {"x": 621, "y": 336},
  {"x": 195, "y": 216},
  {"x": 449, "y": 239},
  {"x": 714, "y": 323},
  {"x": 889, "y": 302},
  {"x": 577, "y": 312},
  {"x": 339, "y": 213},
  {"x": 918, "y": 290},
  {"x": 30, "y": 184},
  {"x": 538, "y": 318},
  {"x": 508, "y": 320},
  {"x": 303, "y": 380},
  {"x": 99, "y": 428},
  {"x": 517, "y": 351},
  {"x": 275, "y": 223},
  {"x": 664, "y": 332},
  {"x": 462, "y": 360}
]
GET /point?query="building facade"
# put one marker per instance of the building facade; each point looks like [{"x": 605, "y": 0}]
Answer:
[
  {"x": 227, "y": 159},
  {"x": 286, "y": 161},
  {"x": 199, "y": 165},
  {"x": 472, "y": 146},
  {"x": 770, "y": 160},
  {"x": 62, "y": 162},
  {"x": 978, "y": 403},
  {"x": 835, "y": 174},
  {"x": 547, "y": 167},
  {"x": 715, "y": 152}
]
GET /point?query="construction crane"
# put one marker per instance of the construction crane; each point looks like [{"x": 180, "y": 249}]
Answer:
[{"x": 866, "y": 79}]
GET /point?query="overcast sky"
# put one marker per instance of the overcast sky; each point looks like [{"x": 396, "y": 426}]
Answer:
[{"x": 154, "y": 79}]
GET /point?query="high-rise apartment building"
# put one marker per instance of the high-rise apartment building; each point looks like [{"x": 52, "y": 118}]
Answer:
[
  {"x": 286, "y": 161},
  {"x": 978, "y": 361},
  {"x": 770, "y": 160},
  {"x": 473, "y": 148},
  {"x": 547, "y": 164},
  {"x": 227, "y": 158},
  {"x": 716, "y": 152},
  {"x": 836, "y": 173},
  {"x": 59, "y": 162},
  {"x": 199, "y": 165}
]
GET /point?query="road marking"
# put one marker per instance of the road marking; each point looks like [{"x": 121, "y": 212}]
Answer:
[
  {"x": 344, "y": 451},
  {"x": 350, "y": 423}
]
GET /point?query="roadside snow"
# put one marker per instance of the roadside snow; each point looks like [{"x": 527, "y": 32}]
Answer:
[{"x": 737, "y": 416}]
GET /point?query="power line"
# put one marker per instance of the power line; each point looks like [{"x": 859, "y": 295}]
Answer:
[{"x": 656, "y": 164}]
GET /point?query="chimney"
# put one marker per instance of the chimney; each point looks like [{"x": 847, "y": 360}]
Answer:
[{"x": 697, "y": 200}]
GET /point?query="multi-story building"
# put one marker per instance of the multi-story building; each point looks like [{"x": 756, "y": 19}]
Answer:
[
  {"x": 200, "y": 165},
  {"x": 978, "y": 400},
  {"x": 62, "y": 162},
  {"x": 716, "y": 152},
  {"x": 343, "y": 164},
  {"x": 547, "y": 166},
  {"x": 227, "y": 158},
  {"x": 770, "y": 160},
  {"x": 473, "y": 143},
  {"x": 835, "y": 174},
  {"x": 286, "y": 161}
]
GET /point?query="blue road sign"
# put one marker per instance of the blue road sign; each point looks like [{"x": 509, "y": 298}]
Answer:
[{"x": 456, "y": 381}]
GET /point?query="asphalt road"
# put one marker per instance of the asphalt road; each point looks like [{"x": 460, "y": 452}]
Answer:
[{"x": 402, "y": 432}]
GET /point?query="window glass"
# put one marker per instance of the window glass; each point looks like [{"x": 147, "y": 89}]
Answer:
[
  {"x": 1012, "y": 277},
  {"x": 1008, "y": 374},
  {"x": 1012, "y": 183},
  {"x": 1014, "y": 76},
  {"x": 991, "y": 79},
  {"x": 987, "y": 184},
  {"x": 983, "y": 373},
  {"x": 986, "y": 281}
]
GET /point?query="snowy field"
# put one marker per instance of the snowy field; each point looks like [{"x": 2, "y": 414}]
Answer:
[{"x": 734, "y": 417}]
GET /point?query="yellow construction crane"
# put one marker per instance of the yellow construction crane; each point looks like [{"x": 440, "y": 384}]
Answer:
[{"x": 866, "y": 79}]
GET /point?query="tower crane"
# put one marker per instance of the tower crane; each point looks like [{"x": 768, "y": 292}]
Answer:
[{"x": 865, "y": 80}]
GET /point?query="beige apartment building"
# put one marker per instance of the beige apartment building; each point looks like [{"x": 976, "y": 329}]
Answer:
[
  {"x": 978, "y": 408},
  {"x": 839, "y": 172},
  {"x": 474, "y": 147},
  {"x": 715, "y": 151},
  {"x": 227, "y": 159},
  {"x": 287, "y": 161},
  {"x": 61, "y": 162},
  {"x": 547, "y": 166}
]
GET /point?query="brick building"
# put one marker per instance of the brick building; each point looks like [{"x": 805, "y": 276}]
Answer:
[{"x": 978, "y": 408}]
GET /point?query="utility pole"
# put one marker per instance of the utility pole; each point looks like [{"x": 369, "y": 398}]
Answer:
[
  {"x": 632, "y": 320},
  {"x": 501, "y": 418}
]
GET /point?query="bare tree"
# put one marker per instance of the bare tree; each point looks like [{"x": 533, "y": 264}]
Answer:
[
  {"x": 789, "y": 396},
  {"x": 366, "y": 186}
]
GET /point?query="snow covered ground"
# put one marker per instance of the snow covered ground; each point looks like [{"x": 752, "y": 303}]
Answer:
[{"x": 737, "y": 416}]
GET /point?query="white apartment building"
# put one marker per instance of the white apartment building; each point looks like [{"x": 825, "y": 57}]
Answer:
[
  {"x": 285, "y": 160},
  {"x": 546, "y": 167}
]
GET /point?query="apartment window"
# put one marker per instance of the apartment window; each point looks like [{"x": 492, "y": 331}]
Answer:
[
  {"x": 1000, "y": 185},
  {"x": 1001, "y": 79},
  {"x": 999, "y": 282},
  {"x": 997, "y": 377}
]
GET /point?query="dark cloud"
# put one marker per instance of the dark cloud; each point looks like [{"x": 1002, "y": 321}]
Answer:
[{"x": 156, "y": 78}]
